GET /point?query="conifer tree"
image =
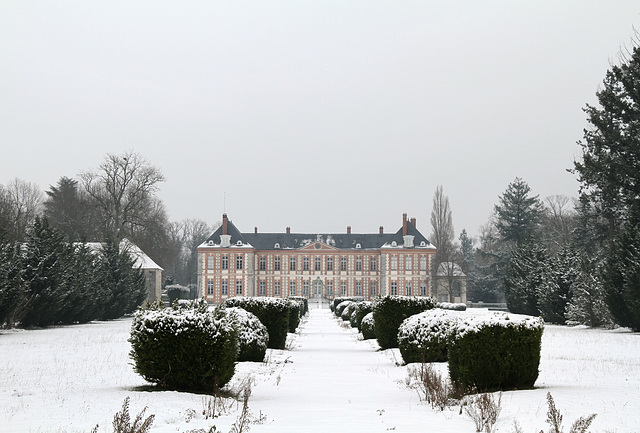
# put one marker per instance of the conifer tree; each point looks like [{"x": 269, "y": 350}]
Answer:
[
  {"x": 518, "y": 213},
  {"x": 523, "y": 276}
]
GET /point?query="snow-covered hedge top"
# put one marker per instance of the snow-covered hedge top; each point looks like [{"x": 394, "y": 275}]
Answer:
[
  {"x": 368, "y": 318},
  {"x": 467, "y": 324},
  {"x": 238, "y": 301},
  {"x": 177, "y": 320},
  {"x": 250, "y": 329},
  {"x": 429, "y": 326},
  {"x": 452, "y": 306}
]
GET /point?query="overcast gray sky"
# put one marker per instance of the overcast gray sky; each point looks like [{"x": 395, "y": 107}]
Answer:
[{"x": 314, "y": 115}]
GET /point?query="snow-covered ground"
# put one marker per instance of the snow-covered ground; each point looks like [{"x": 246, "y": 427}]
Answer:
[{"x": 69, "y": 379}]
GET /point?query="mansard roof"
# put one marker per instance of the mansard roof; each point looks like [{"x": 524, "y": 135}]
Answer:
[{"x": 294, "y": 241}]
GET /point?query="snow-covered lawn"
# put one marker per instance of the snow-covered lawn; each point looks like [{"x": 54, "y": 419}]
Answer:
[{"x": 69, "y": 379}]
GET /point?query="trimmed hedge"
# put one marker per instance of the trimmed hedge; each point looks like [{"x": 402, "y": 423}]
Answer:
[
  {"x": 295, "y": 311},
  {"x": 367, "y": 327},
  {"x": 346, "y": 312},
  {"x": 341, "y": 306},
  {"x": 272, "y": 312},
  {"x": 339, "y": 299},
  {"x": 423, "y": 337},
  {"x": 501, "y": 351},
  {"x": 390, "y": 311},
  {"x": 362, "y": 309},
  {"x": 305, "y": 304},
  {"x": 253, "y": 337},
  {"x": 184, "y": 348},
  {"x": 452, "y": 306}
]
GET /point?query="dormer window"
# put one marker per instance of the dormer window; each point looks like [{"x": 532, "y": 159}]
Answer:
[
  {"x": 239, "y": 243},
  {"x": 276, "y": 246},
  {"x": 358, "y": 246},
  {"x": 423, "y": 244},
  {"x": 394, "y": 244}
]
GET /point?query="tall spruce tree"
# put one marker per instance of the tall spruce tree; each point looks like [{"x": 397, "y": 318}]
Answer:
[
  {"x": 609, "y": 170},
  {"x": 523, "y": 277},
  {"x": 517, "y": 213}
]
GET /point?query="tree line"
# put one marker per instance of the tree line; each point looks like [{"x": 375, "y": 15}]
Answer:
[
  {"x": 114, "y": 201},
  {"x": 62, "y": 255},
  {"x": 568, "y": 261}
]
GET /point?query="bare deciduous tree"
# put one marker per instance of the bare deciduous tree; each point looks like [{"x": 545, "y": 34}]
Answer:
[
  {"x": 123, "y": 189},
  {"x": 20, "y": 204},
  {"x": 442, "y": 235}
]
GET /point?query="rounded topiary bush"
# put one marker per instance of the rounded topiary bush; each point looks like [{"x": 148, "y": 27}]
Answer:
[
  {"x": 253, "y": 337},
  {"x": 295, "y": 311},
  {"x": 341, "y": 306},
  {"x": 184, "y": 348},
  {"x": 390, "y": 311},
  {"x": 272, "y": 312},
  {"x": 367, "y": 327},
  {"x": 499, "y": 351},
  {"x": 362, "y": 309},
  {"x": 346, "y": 312},
  {"x": 304, "y": 304},
  {"x": 423, "y": 337}
]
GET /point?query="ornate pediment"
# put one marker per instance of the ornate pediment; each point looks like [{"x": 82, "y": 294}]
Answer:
[{"x": 318, "y": 246}]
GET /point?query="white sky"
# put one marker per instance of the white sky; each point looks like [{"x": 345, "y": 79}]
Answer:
[{"x": 314, "y": 115}]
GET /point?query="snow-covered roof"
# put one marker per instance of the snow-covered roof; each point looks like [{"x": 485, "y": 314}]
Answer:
[{"x": 141, "y": 259}]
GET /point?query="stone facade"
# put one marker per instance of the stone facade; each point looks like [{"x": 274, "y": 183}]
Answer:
[{"x": 231, "y": 263}]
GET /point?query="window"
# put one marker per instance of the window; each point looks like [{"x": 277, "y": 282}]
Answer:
[
  {"x": 329, "y": 263},
  {"x": 225, "y": 287},
  {"x": 329, "y": 288},
  {"x": 394, "y": 263},
  {"x": 305, "y": 264},
  {"x": 239, "y": 288},
  {"x": 276, "y": 288},
  {"x": 343, "y": 288},
  {"x": 292, "y": 263},
  {"x": 263, "y": 263},
  {"x": 407, "y": 289},
  {"x": 358, "y": 288},
  {"x": 276, "y": 263},
  {"x": 457, "y": 288},
  {"x": 210, "y": 262},
  {"x": 343, "y": 263},
  {"x": 238, "y": 262},
  {"x": 225, "y": 262},
  {"x": 292, "y": 288},
  {"x": 408, "y": 263},
  {"x": 373, "y": 264},
  {"x": 423, "y": 289},
  {"x": 210, "y": 287},
  {"x": 373, "y": 289},
  {"x": 318, "y": 266},
  {"x": 305, "y": 288},
  {"x": 262, "y": 288},
  {"x": 358, "y": 263},
  {"x": 394, "y": 288},
  {"x": 423, "y": 263}
]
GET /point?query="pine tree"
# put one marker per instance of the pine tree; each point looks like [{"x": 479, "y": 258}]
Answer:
[
  {"x": 556, "y": 289},
  {"x": 609, "y": 171},
  {"x": 518, "y": 213},
  {"x": 621, "y": 274},
  {"x": 12, "y": 292},
  {"x": 523, "y": 276}
]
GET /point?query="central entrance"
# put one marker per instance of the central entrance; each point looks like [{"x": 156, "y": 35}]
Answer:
[{"x": 318, "y": 288}]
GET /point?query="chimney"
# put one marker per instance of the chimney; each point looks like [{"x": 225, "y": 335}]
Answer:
[
  {"x": 255, "y": 229},
  {"x": 413, "y": 222},
  {"x": 381, "y": 230},
  {"x": 404, "y": 224},
  {"x": 288, "y": 230},
  {"x": 224, "y": 223},
  {"x": 348, "y": 230}
]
